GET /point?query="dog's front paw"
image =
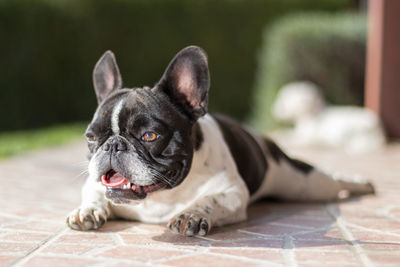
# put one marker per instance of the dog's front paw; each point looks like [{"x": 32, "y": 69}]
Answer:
[
  {"x": 88, "y": 217},
  {"x": 189, "y": 224}
]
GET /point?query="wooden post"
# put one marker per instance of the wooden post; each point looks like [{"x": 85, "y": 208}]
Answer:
[{"x": 383, "y": 63}]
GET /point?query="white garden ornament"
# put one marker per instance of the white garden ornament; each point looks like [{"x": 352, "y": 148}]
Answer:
[{"x": 354, "y": 129}]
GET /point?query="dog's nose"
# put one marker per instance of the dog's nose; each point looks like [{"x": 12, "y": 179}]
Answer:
[
  {"x": 106, "y": 147},
  {"x": 119, "y": 145},
  {"x": 115, "y": 144}
]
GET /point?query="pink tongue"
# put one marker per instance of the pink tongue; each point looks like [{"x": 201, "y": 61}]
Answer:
[{"x": 114, "y": 181}]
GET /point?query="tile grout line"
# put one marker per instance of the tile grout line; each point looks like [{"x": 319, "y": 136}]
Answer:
[
  {"x": 386, "y": 213},
  {"x": 288, "y": 251},
  {"x": 34, "y": 250},
  {"x": 175, "y": 257},
  {"x": 292, "y": 225},
  {"x": 242, "y": 258},
  {"x": 359, "y": 227},
  {"x": 117, "y": 239},
  {"x": 349, "y": 237},
  {"x": 19, "y": 231}
]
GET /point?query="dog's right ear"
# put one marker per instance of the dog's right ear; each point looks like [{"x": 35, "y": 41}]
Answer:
[{"x": 106, "y": 76}]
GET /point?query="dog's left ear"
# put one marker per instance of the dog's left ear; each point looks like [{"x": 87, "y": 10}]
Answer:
[
  {"x": 106, "y": 76},
  {"x": 187, "y": 80}
]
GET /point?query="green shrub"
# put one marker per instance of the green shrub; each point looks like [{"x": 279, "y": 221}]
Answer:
[
  {"x": 327, "y": 49},
  {"x": 18, "y": 142},
  {"x": 49, "y": 48}
]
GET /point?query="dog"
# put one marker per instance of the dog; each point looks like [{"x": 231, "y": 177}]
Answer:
[{"x": 157, "y": 156}]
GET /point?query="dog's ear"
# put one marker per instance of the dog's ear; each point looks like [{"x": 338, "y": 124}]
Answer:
[
  {"x": 187, "y": 80},
  {"x": 106, "y": 76}
]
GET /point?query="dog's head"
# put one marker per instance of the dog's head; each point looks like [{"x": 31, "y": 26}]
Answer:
[{"x": 142, "y": 139}]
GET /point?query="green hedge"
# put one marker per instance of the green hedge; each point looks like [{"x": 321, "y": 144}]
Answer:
[
  {"x": 327, "y": 49},
  {"x": 18, "y": 142},
  {"x": 49, "y": 48}
]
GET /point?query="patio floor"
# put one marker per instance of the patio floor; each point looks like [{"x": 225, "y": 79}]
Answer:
[{"x": 38, "y": 190}]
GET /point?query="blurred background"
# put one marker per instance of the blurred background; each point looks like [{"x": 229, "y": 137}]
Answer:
[{"x": 49, "y": 48}]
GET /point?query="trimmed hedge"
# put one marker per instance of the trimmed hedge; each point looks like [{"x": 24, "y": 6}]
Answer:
[
  {"x": 327, "y": 49},
  {"x": 19, "y": 142},
  {"x": 49, "y": 48}
]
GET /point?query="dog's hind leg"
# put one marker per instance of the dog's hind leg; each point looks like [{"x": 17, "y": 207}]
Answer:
[{"x": 291, "y": 179}]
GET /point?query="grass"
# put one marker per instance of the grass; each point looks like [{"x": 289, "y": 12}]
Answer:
[{"x": 19, "y": 142}]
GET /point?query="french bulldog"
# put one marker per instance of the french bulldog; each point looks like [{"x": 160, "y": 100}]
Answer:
[{"x": 157, "y": 156}]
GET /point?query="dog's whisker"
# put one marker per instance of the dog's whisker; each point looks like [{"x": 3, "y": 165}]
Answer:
[
  {"x": 84, "y": 172},
  {"x": 81, "y": 163},
  {"x": 160, "y": 177},
  {"x": 163, "y": 179}
]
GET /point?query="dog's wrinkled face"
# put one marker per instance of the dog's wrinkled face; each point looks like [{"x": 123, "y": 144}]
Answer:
[{"x": 142, "y": 139}]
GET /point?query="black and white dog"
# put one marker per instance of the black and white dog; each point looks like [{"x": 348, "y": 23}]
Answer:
[{"x": 156, "y": 156}]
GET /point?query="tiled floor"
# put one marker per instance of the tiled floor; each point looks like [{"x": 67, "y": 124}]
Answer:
[{"x": 38, "y": 190}]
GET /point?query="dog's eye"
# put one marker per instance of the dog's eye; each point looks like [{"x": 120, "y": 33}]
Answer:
[
  {"x": 149, "y": 136},
  {"x": 90, "y": 137}
]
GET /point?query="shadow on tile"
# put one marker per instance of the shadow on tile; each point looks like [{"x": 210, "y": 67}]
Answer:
[{"x": 278, "y": 225}]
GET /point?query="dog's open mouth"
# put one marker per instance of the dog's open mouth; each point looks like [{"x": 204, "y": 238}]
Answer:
[{"x": 118, "y": 186}]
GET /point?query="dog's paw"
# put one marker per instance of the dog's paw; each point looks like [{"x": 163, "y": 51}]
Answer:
[
  {"x": 87, "y": 217},
  {"x": 189, "y": 224}
]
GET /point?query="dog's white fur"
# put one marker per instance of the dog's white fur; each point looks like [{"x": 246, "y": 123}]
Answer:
[
  {"x": 213, "y": 182},
  {"x": 115, "y": 117}
]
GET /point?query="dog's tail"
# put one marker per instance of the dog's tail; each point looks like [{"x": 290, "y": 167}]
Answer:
[{"x": 292, "y": 179}]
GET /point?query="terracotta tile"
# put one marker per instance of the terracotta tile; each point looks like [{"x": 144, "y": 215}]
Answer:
[
  {"x": 41, "y": 226},
  {"x": 8, "y": 247},
  {"x": 305, "y": 221},
  {"x": 41, "y": 261},
  {"x": 91, "y": 237},
  {"x": 229, "y": 233},
  {"x": 151, "y": 228},
  {"x": 251, "y": 243},
  {"x": 117, "y": 226},
  {"x": 167, "y": 238},
  {"x": 25, "y": 237},
  {"x": 272, "y": 255},
  {"x": 132, "y": 227},
  {"x": 309, "y": 245},
  {"x": 348, "y": 211},
  {"x": 6, "y": 260},
  {"x": 75, "y": 249},
  {"x": 205, "y": 260},
  {"x": 260, "y": 210},
  {"x": 333, "y": 235},
  {"x": 272, "y": 229},
  {"x": 311, "y": 263},
  {"x": 5, "y": 221},
  {"x": 380, "y": 246},
  {"x": 124, "y": 263},
  {"x": 371, "y": 236},
  {"x": 326, "y": 256},
  {"x": 298, "y": 209},
  {"x": 384, "y": 258},
  {"x": 289, "y": 212},
  {"x": 138, "y": 254},
  {"x": 378, "y": 223}
]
